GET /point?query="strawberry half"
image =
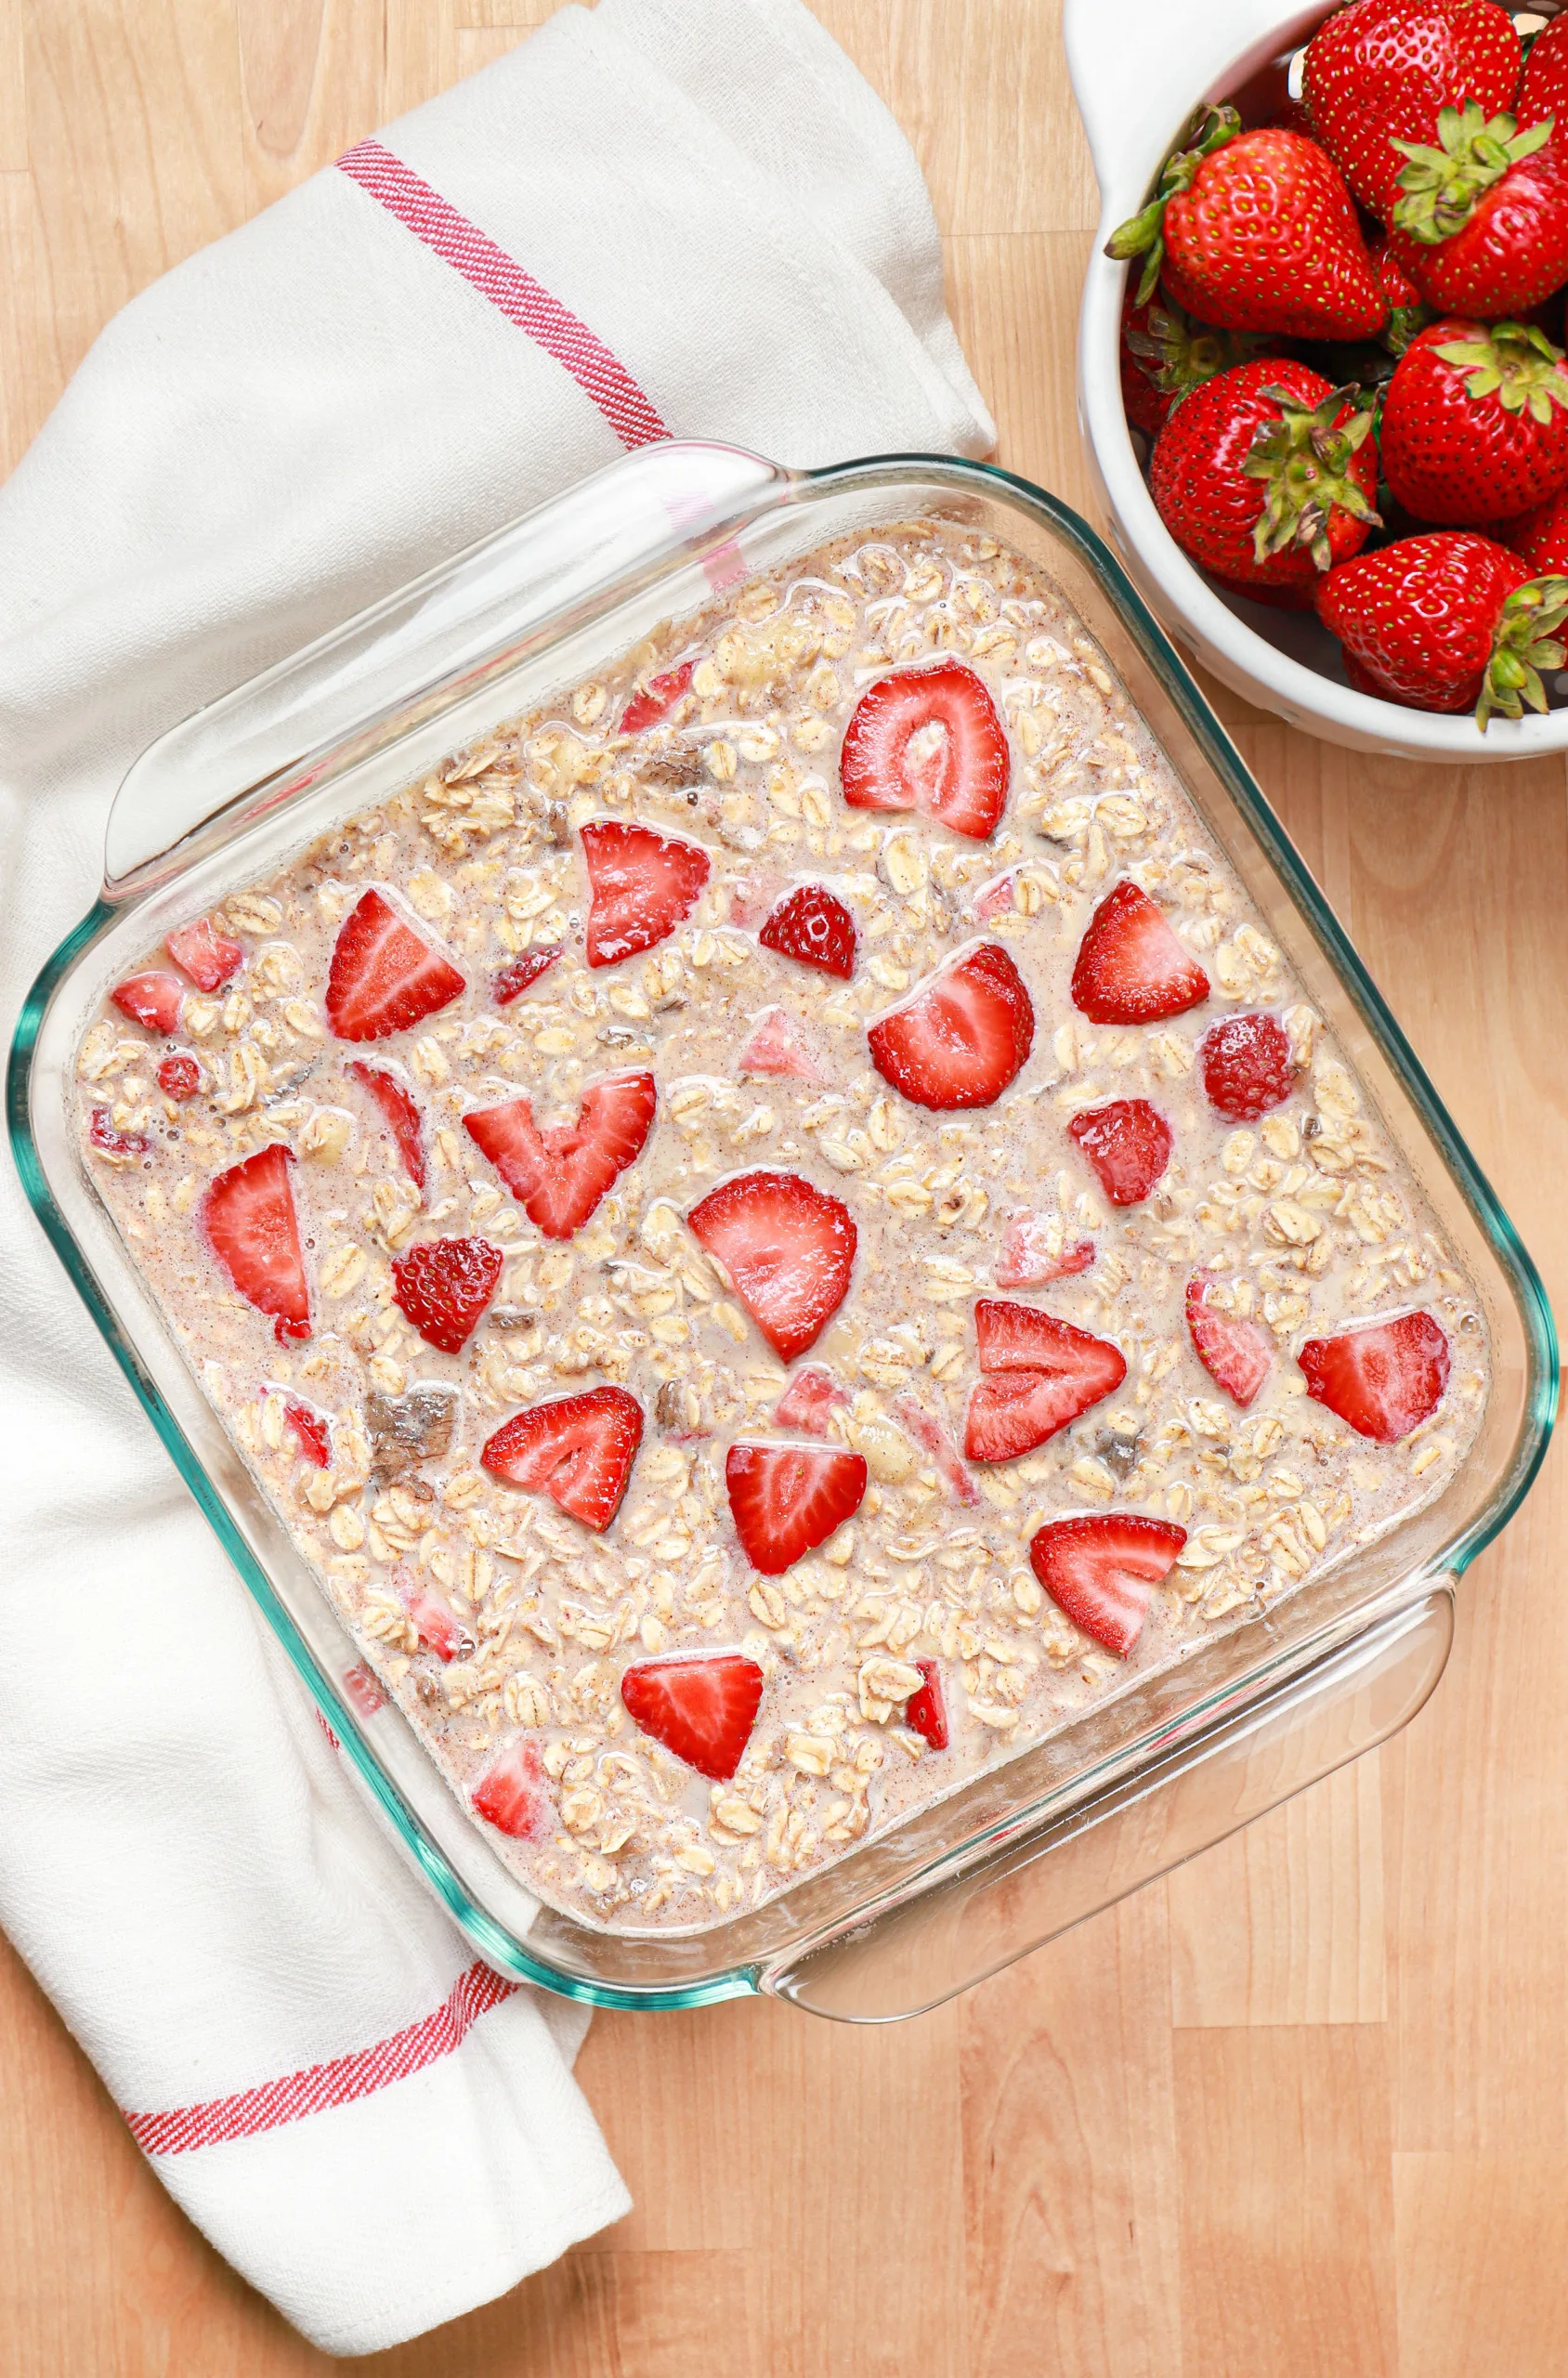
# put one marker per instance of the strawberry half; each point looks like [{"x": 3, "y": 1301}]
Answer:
[
  {"x": 577, "y": 1449},
  {"x": 151, "y": 999},
  {"x": 961, "y": 1035},
  {"x": 1448, "y": 621},
  {"x": 701, "y": 1709},
  {"x": 1128, "y": 1141},
  {"x": 443, "y": 1286},
  {"x": 384, "y": 977},
  {"x": 932, "y": 1437},
  {"x": 1027, "y": 1259},
  {"x": 247, "y": 1218},
  {"x": 1040, "y": 1375},
  {"x": 207, "y": 957},
  {"x": 1256, "y": 232},
  {"x": 655, "y": 701},
  {"x": 1131, "y": 968},
  {"x": 929, "y": 739},
  {"x": 1102, "y": 1572},
  {"x": 808, "y": 1401},
  {"x": 1475, "y": 422},
  {"x": 311, "y": 1431},
  {"x": 513, "y": 980},
  {"x": 1385, "y": 1377},
  {"x": 788, "y": 1249},
  {"x": 512, "y": 1794},
  {"x": 1236, "y": 1353},
  {"x": 399, "y": 1112},
  {"x": 1247, "y": 1064},
  {"x": 926, "y": 1710},
  {"x": 179, "y": 1077},
  {"x": 558, "y": 1174},
  {"x": 641, "y": 886},
  {"x": 776, "y": 1047},
  {"x": 788, "y": 1499},
  {"x": 814, "y": 925}
]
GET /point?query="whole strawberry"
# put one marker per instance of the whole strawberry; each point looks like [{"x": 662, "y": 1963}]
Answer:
[
  {"x": 1481, "y": 224},
  {"x": 1474, "y": 424},
  {"x": 1542, "y": 93},
  {"x": 1165, "y": 354},
  {"x": 1266, "y": 476},
  {"x": 1383, "y": 70},
  {"x": 1539, "y": 537},
  {"x": 1446, "y": 621},
  {"x": 1256, "y": 232}
]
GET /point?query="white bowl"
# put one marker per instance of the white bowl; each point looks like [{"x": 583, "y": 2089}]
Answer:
[{"x": 1139, "y": 68}]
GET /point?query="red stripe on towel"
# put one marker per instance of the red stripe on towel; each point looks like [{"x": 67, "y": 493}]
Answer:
[
  {"x": 337, "y": 2083},
  {"x": 522, "y": 299}
]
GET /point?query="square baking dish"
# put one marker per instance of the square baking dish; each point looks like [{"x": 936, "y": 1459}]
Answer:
[{"x": 1175, "y": 1760}]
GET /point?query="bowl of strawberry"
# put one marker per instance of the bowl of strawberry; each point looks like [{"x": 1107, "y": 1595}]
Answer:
[{"x": 1322, "y": 366}]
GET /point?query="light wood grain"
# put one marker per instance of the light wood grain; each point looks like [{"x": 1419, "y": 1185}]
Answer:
[{"x": 1301, "y": 2111}]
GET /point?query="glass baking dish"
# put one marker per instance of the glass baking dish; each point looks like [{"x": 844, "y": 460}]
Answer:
[{"x": 1117, "y": 1794}]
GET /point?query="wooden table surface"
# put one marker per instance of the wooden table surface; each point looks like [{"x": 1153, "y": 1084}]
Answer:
[{"x": 1301, "y": 2110}]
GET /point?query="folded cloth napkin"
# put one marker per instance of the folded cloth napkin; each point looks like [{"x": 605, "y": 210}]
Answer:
[{"x": 669, "y": 216}]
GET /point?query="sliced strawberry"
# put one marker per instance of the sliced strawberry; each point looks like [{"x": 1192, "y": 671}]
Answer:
[
  {"x": 1385, "y": 1377},
  {"x": 778, "y": 1046},
  {"x": 153, "y": 1000},
  {"x": 929, "y": 1433},
  {"x": 399, "y": 1112},
  {"x": 1246, "y": 1065},
  {"x": 929, "y": 739},
  {"x": 247, "y": 1217},
  {"x": 994, "y": 899},
  {"x": 961, "y": 1035},
  {"x": 1026, "y": 1261},
  {"x": 641, "y": 886},
  {"x": 577, "y": 1449},
  {"x": 1131, "y": 968},
  {"x": 657, "y": 698},
  {"x": 512, "y": 1794},
  {"x": 1128, "y": 1141},
  {"x": 1040, "y": 1375},
  {"x": 788, "y": 1499},
  {"x": 311, "y": 1431},
  {"x": 363, "y": 1690},
  {"x": 1102, "y": 1572},
  {"x": 436, "y": 1623},
  {"x": 808, "y": 1401},
  {"x": 926, "y": 1710},
  {"x": 179, "y": 1076},
  {"x": 102, "y": 1136},
  {"x": 558, "y": 1174},
  {"x": 787, "y": 1247},
  {"x": 443, "y": 1285},
  {"x": 1236, "y": 1353},
  {"x": 207, "y": 957},
  {"x": 384, "y": 977},
  {"x": 701, "y": 1709},
  {"x": 513, "y": 980},
  {"x": 814, "y": 925}
]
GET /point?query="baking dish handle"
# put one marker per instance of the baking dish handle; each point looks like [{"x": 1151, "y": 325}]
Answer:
[
  {"x": 1131, "y": 64},
  {"x": 412, "y": 657},
  {"x": 949, "y": 1933}
]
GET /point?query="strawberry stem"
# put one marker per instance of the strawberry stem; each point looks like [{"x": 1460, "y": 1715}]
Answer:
[
  {"x": 1179, "y": 355},
  {"x": 1524, "y": 642},
  {"x": 1143, "y": 234},
  {"x": 1305, "y": 460},
  {"x": 1443, "y": 185},
  {"x": 1514, "y": 361}
]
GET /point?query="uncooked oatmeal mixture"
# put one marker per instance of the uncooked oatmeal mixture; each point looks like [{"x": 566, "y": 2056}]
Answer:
[{"x": 778, "y": 1229}]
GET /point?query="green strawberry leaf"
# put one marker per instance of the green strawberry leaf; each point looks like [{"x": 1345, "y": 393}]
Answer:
[
  {"x": 1524, "y": 642},
  {"x": 1443, "y": 185},
  {"x": 1143, "y": 234},
  {"x": 1305, "y": 461}
]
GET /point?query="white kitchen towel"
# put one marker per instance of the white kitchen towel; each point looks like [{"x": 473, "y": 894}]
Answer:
[{"x": 683, "y": 216}]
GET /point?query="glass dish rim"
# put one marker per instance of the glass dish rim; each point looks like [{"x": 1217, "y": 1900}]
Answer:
[{"x": 511, "y": 1955}]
